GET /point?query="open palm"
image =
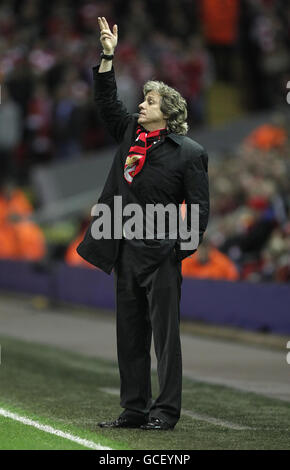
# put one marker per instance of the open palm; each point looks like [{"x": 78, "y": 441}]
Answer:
[{"x": 108, "y": 38}]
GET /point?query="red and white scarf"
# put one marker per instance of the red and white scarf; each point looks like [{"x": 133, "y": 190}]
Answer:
[{"x": 137, "y": 153}]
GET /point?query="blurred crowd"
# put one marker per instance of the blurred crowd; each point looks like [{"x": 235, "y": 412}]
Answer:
[
  {"x": 47, "y": 113},
  {"x": 47, "y": 50},
  {"x": 248, "y": 236},
  {"x": 250, "y": 205}
]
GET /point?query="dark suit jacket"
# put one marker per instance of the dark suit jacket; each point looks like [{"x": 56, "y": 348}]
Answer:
[{"x": 175, "y": 169}]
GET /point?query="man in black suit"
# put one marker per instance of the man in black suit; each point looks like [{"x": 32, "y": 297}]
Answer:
[{"x": 155, "y": 164}]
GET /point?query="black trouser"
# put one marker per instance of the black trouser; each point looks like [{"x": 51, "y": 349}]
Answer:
[{"x": 152, "y": 304}]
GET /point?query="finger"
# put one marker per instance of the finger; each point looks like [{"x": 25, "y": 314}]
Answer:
[
  {"x": 100, "y": 23},
  {"x": 115, "y": 30},
  {"x": 106, "y": 34},
  {"x": 106, "y": 23},
  {"x": 105, "y": 29},
  {"x": 106, "y": 37}
]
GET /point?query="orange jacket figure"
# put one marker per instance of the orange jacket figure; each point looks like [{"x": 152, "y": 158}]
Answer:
[
  {"x": 19, "y": 203},
  {"x": 19, "y": 238},
  {"x": 209, "y": 263},
  {"x": 72, "y": 257},
  {"x": 30, "y": 241},
  {"x": 8, "y": 249},
  {"x": 14, "y": 201},
  {"x": 220, "y": 20},
  {"x": 3, "y": 209},
  {"x": 267, "y": 137}
]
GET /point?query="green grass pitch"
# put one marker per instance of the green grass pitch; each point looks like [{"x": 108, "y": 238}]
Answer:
[{"x": 66, "y": 391}]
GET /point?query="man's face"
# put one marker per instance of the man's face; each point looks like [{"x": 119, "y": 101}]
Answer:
[{"x": 150, "y": 115}]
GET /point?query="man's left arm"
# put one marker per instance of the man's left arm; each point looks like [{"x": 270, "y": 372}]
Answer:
[{"x": 196, "y": 191}]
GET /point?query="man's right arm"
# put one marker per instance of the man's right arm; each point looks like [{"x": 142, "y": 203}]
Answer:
[{"x": 112, "y": 111}]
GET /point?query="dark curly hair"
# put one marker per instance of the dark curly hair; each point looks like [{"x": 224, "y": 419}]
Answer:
[{"x": 172, "y": 104}]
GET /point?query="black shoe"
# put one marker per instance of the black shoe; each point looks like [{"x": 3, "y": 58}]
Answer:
[
  {"x": 157, "y": 423},
  {"x": 120, "y": 423}
]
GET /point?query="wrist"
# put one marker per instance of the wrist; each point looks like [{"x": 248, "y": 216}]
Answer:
[{"x": 109, "y": 51}]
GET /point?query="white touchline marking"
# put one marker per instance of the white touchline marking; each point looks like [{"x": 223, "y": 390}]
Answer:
[
  {"x": 51, "y": 430},
  {"x": 191, "y": 414}
]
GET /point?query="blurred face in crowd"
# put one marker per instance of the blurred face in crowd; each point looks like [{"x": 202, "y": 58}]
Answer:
[{"x": 150, "y": 114}]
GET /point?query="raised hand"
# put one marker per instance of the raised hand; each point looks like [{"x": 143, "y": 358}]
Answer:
[{"x": 108, "y": 39}]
